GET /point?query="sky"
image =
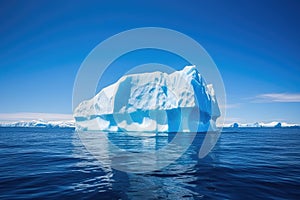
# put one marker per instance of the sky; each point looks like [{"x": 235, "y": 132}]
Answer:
[{"x": 255, "y": 45}]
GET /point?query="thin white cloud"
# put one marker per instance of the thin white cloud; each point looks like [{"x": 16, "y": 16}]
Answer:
[
  {"x": 229, "y": 106},
  {"x": 34, "y": 116},
  {"x": 278, "y": 97}
]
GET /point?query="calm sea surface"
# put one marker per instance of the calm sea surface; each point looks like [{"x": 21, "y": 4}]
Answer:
[{"x": 246, "y": 163}]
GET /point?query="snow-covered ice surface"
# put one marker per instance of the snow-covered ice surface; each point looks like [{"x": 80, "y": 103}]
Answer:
[{"x": 152, "y": 102}]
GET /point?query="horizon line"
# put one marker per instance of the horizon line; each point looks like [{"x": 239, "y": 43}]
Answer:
[{"x": 41, "y": 116}]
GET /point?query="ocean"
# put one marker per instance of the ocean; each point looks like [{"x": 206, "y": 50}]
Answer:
[{"x": 246, "y": 163}]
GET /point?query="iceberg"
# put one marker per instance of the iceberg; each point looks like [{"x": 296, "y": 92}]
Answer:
[
  {"x": 273, "y": 124},
  {"x": 152, "y": 102},
  {"x": 39, "y": 124}
]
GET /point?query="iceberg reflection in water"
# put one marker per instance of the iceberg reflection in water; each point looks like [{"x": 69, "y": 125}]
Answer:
[
  {"x": 166, "y": 161},
  {"x": 138, "y": 152}
]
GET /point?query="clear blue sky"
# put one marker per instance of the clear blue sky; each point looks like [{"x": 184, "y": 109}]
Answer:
[{"x": 255, "y": 44}]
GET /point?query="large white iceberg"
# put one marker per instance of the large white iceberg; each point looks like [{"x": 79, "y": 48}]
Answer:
[{"x": 152, "y": 102}]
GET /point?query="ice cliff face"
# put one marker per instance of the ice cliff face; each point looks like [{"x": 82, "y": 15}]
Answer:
[{"x": 152, "y": 102}]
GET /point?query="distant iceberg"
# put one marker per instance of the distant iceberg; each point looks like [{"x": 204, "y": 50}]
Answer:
[
  {"x": 152, "y": 102},
  {"x": 262, "y": 124},
  {"x": 39, "y": 124}
]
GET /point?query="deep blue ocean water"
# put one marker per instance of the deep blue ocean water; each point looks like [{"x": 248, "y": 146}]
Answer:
[{"x": 246, "y": 163}]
